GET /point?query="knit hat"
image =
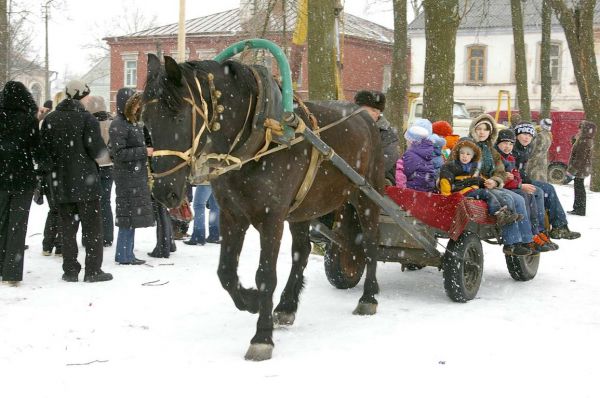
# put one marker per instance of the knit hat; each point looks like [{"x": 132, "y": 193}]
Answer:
[
  {"x": 76, "y": 89},
  {"x": 442, "y": 128},
  {"x": 416, "y": 133},
  {"x": 425, "y": 123},
  {"x": 506, "y": 135},
  {"x": 525, "y": 128},
  {"x": 374, "y": 99},
  {"x": 546, "y": 124},
  {"x": 438, "y": 142}
]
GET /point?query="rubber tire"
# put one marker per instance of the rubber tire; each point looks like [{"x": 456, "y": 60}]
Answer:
[
  {"x": 345, "y": 269},
  {"x": 557, "y": 173},
  {"x": 463, "y": 272},
  {"x": 522, "y": 268}
]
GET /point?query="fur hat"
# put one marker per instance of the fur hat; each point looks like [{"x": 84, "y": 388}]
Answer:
[
  {"x": 374, "y": 99},
  {"x": 416, "y": 133},
  {"x": 442, "y": 128},
  {"x": 466, "y": 142},
  {"x": 76, "y": 89},
  {"x": 525, "y": 128},
  {"x": 546, "y": 124},
  {"x": 506, "y": 135}
]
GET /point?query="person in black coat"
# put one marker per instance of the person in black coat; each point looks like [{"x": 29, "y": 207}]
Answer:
[
  {"x": 20, "y": 144},
  {"x": 130, "y": 157},
  {"x": 72, "y": 137}
]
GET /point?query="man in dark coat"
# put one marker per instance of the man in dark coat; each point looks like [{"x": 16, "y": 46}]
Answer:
[
  {"x": 19, "y": 146},
  {"x": 580, "y": 164},
  {"x": 374, "y": 103},
  {"x": 72, "y": 136},
  {"x": 130, "y": 157},
  {"x": 525, "y": 133}
]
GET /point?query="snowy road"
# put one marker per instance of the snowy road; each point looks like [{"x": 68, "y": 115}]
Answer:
[{"x": 185, "y": 338}]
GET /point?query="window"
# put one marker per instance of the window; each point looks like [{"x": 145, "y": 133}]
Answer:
[
  {"x": 476, "y": 64},
  {"x": 130, "y": 73},
  {"x": 555, "y": 61}
]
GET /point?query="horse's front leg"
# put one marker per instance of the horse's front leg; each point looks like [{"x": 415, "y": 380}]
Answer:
[
  {"x": 368, "y": 214},
  {"x": 233, "y": 230},
  {"x": 261, "y": 345},
  {"x": 285, "y": 312}
]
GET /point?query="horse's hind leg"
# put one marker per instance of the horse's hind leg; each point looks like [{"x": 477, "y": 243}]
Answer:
[
  {"x": 271, "y": 230},
  {"x": 368, "y": 214},
  {"x": 285, "y": 312},
  {"x": 233, "y": 231}
]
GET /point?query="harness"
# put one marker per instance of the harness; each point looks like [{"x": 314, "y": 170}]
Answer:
[{"x": 206, "y": 167}]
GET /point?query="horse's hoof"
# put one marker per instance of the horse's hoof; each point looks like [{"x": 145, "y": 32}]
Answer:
[
  {"x": 259, "y": 352},
  {"x": 365, "y": 309},
  {"x": 284, "y": 318}
]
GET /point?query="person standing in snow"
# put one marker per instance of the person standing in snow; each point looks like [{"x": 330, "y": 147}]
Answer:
[
  {"x": 19, "y": 146},
  {"x": 130, "y": 157},
  {"x": 72, "y": 136},
  {"x": 580, "y": 164}
]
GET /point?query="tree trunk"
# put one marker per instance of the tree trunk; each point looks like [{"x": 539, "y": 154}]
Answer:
[
  {"x": 3, "y": 43},
  {"x": 321, "y": 50},
  {"x": 396, "y": 96},
  {"x": 545, "y": 73},
  {"x": 578, "y": 26},
  {"x": 520, "y": 60},
  {"x": 441, "y": 24}
]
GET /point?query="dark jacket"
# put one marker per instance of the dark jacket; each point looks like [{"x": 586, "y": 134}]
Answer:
[
  {"x": 580, "y": 162},
  {"x": 389, "y": 143},
  {"x": 20, "y": 141},
  {"x": 72, "y": 137},
  {"x": 458, "y": 177},
  {"x": 128, "y": 150},
  {"x": 418, "y": 166},
  {"x": 522, "y": 154},
  {"x": 510, "y": 165},
  {"x": 492, "y": 166}
]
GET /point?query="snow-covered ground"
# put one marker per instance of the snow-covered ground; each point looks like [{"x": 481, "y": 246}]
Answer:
[{"x": 186, "y": 338}]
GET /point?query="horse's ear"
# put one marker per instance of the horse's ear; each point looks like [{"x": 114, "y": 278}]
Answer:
[
  {"x": 153, "y": 66},
  {"x": 173, "y": 70}
]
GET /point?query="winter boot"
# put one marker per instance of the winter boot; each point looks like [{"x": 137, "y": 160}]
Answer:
[
  {"x": 505, "y": 216},
  {"x": 518, "y": 249},
  {"x": 71, "y": 277},
  {"x": 97, "y": 276},
  {"x": 545, "y": 238},
  {"x": 564, "y": 233},
  {"x": 541, "y": 245}
]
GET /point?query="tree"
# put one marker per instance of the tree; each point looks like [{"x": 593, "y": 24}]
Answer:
[
  {"x": 396, "y": 96},
  {"x": 577, "y": 21},
  {"x": 441, "y": 23},
  {"x": 520, "y": 59},
  {"x": 3, "y": 43},
  {"x": 545, "y": 73},
  {"x": 321, "y": 54}
]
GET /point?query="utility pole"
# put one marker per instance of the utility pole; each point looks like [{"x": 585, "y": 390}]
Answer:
[
  {"x": 181, "y": 33},
  {"x": 46, "y": 11},
  {"x": 4, "y": 43}
]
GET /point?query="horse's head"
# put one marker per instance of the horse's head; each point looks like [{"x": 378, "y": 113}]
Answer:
[{"x": 192, "y": 109}]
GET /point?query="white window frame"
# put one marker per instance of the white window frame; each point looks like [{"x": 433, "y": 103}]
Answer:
[{"x": 127, "y": 76}]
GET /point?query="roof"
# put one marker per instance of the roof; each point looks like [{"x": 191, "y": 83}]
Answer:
[
  {"x": 228, "y": 23},
  {"x": 497, "y": 15}
]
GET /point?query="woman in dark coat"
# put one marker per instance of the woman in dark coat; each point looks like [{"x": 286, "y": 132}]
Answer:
[
  {"x": 20, "y": 144},
  {"x": 580, "y": 164},
  {"x": 130, "y": 157}
]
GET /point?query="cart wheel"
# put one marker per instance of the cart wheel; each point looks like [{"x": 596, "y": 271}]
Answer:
[
  {"x": 522, "y": 268},
  {"x": 344, "y": 266},
  {"x": 463, "y": 267},
  {"x": 557, "y": 173}
]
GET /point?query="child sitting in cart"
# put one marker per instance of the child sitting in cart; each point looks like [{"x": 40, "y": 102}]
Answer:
[
  {"x": 417, "y": 162},
  {"x": 461, "y": 174},
  {"x": 534, "y": 197}
]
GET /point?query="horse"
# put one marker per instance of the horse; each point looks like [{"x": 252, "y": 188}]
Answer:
[{"x": 198, "y": 108}]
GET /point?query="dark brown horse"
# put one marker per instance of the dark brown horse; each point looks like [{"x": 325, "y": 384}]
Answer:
[{"x": 212, "y": 103}]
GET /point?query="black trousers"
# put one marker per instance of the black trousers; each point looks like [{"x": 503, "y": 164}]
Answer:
[
  {"x": 14, "y": 214},
  {"x": 580, "y": 199},
  {"x": 88, "y": 213},
  {"x": 52, "y": 232}
]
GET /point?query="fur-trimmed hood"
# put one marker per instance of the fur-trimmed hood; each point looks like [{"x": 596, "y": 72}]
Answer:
[
  {"x": 466, "y": 142},
  {"x": 491, "y": 140}
]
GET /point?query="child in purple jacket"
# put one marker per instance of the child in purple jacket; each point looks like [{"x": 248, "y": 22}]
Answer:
[{"x": 418, "y": 158}]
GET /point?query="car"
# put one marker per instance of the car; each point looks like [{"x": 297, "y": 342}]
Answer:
[{"x": 460, "y": 122}]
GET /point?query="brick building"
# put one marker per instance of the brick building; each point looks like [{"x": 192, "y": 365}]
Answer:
[{"x": 366, "y": 49}]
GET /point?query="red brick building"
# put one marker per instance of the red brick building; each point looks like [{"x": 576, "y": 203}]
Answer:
[{"x": 366, "y": 49}]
